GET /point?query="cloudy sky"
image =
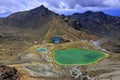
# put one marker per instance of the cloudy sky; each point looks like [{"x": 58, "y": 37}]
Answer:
[{"x": 111, "y": 7}]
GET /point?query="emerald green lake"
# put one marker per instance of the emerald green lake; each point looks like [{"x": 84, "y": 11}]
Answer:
[{"x": 74, "y": 56}]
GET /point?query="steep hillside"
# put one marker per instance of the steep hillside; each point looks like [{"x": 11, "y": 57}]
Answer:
[
  {"x": 32, "y": 19},
  {"x": 99, "y": 23}
]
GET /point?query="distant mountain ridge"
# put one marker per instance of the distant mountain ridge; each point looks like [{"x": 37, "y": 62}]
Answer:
[
  {"x": 99, "y": 23},
  {"x": 43, "y": 23}
]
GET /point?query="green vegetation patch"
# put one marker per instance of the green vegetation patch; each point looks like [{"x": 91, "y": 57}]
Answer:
[{"x": 74, "y": 56}]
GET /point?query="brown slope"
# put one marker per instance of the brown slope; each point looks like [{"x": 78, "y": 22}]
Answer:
[{"x": 59, "y": 28}]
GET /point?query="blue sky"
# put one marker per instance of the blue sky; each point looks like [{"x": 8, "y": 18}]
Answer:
[{"x": 111, "y": 7}]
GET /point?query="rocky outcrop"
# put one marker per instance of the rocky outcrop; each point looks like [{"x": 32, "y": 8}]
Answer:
[
  {"x": 72, "y": 22},
  {"x": 79, "y": 75},
  {"x": 7, "y": 73}
]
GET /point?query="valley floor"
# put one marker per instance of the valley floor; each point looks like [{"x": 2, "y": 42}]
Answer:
[{"x": 33, "y": 65}]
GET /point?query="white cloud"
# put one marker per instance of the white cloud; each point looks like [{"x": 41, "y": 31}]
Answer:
[
  {"x": 63, "y": 5},
  {"x": 11, "y": 6},
  {"x": 77, "y": 6},
  {"x": 112, "y": 3}
]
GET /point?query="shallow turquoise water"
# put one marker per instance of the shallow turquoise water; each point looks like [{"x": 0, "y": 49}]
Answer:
[{"x": 43, "y": 50}]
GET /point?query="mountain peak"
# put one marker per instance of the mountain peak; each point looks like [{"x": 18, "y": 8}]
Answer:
[
  {"x": 88, "y": 12},
  {"x": 40, "y": 8},
  {"x": 91, "y": 12},
  {"x": 100, "y": 13},
  {"x": 43, "y": 7},
  {"x": 34, "y": 17}
]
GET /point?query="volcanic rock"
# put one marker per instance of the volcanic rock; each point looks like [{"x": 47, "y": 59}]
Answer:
[{"x": 7, "y": 73}]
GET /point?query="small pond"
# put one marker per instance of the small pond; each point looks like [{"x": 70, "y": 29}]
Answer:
[
  {"x": 56, "y": 40},
  {"x": 43, "y": 50}
]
